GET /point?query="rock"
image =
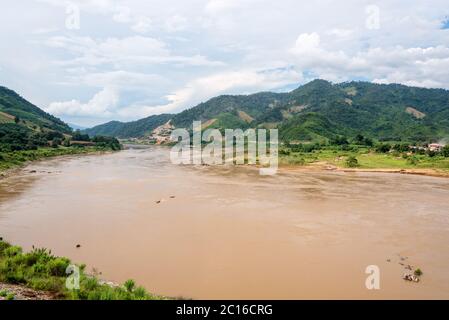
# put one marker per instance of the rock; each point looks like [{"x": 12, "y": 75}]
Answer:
[
  {"x": 78, "y": 246},
  {"x": 172, "y": 197},
  {"x": 410, "y": 277},
  {"x": 33, "y": 171},
  {"x": 388, "y": 260},
  {"x": 159, "y": 201}
]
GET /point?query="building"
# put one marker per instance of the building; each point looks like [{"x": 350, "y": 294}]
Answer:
[{"x": 436, "y": 147}]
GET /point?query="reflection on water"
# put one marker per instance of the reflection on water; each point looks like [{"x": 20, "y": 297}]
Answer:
[{"x": 228, "y": 232}]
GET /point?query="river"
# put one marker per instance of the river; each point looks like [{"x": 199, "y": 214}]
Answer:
[{"x": 229, "y": 233}]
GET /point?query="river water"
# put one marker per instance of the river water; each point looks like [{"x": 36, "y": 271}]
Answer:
[{"x": 227, "y": 232}]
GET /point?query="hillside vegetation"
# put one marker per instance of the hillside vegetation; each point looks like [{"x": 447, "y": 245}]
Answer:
[
  {"x": 319, "y": 111},
  {"x": 129, "y": 129},
  {"x": 13, "y": 106},
  {"x": 28, "y": 133}
]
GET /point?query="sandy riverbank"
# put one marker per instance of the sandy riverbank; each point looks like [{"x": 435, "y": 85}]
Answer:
[{"x": 325, "y": 167}]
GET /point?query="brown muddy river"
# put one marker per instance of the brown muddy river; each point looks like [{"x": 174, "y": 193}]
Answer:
[{"x": 231, "y": 233}]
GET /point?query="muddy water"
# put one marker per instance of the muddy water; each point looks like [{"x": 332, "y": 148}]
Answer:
[{"x": 230, "y": 233}]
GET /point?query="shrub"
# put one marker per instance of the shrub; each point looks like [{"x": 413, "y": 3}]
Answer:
[
  {"x": 412, "y": 160},
  {"x": 352, "y": 162},
  {"x": 418, "y": 272},
  {"x": 40, "y": 270},
  {"x": 129, "y": 285},
  {"x": 58, "y": 266},
  {"x": 3, "y": 246},
  {"x": 383, "y": 148},
  {"x": 140, "y": 293},
  {"x": 445, "y": 151},
  {"x": 12, "y": 251}
]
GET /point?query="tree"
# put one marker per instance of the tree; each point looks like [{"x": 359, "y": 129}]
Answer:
[
  {"x": 383, "y": 148},
  {"x": 56, "y": 142},
  {"x": 339, "y": 140},
  {"x": 445, "y": 151},
  {"x": 352, "y": 162},
  {"x": 359, "y": 139},
  {"x": 78, "y": 136},
  {"x": 16, "y": 119}
]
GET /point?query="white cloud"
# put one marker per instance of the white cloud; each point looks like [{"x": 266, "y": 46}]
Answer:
[
  {"x": 306, "y": 43},
  {"x": 102, "y": 105},
  {"x": 121, "y": 79},
  {"x": 411, "y": 66},
  {"x": 176, "y": 23},
  {"x": 166, "y": 55},
  {"x": 130, "y": 50},
  {"x": 142, "y": 25}
]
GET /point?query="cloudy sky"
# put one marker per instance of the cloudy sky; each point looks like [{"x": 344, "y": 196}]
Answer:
[{"x": 91, "y": 61}]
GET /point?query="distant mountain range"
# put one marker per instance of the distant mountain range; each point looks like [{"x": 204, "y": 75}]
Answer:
[
  {"x": 132, "y": 129},
  {"x": 316, "y": 111}
]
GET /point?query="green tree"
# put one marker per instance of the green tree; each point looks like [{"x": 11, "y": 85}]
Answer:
[
  {"x": 352, "y": 162},
  {"x": 445, "y": 151},
  {"x": 16, "y": 119},
  {"x": 383, "y": 148},
  {"x": 56, "y": 142}
]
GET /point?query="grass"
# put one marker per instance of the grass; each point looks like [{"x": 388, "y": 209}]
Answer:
[
  {"x": 40, "y": 270},
  {"x": 7, "y": 295},
  {"x": 13, "y": 159},
  {"x": 418, "y": 272},
  {"x": 366, "y": 159}
]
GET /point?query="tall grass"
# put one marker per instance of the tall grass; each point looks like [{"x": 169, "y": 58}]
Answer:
[{"x": 39, "y": 269}]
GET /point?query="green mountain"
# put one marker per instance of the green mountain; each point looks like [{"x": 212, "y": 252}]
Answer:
[
  {"x": 318, "y": 111},
  {"x": 137, "y": 128},
  {"x": 25, "y": 126},
  {"x": 14, "y": 106}
]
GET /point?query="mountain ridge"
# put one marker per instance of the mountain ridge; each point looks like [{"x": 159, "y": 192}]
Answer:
[{"x": 318, "y": 110}]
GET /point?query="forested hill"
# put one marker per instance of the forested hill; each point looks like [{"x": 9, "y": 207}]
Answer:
[
  {"x": 23, "y": 125},
  {"x": 14, "y": 106},
  {"x": 318, "y": 110},
  {"x": 137, "y": 128}
]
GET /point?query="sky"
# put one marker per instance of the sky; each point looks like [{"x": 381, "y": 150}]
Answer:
[{"x": 92, "y": 61}]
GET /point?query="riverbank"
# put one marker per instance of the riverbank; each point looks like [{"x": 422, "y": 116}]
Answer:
[
  {"x": 365, "y": 160},
  {"x": 328, "y": 167},
  {"x": 12, "y": 162},
  {"x": 39, "y": 275}
]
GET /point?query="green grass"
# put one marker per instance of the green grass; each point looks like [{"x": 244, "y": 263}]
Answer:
[
  {"x": 13, "y": 159},
  {"x": 366, "y": 159},
  {"x": 40, "y": 270}
]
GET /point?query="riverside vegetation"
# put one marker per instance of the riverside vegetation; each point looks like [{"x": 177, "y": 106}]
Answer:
[
  {"x": 40, "y": 270},
  {"x": 363, "y": 153},
  {"x": 27, "y": 133}
]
